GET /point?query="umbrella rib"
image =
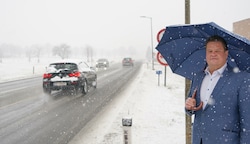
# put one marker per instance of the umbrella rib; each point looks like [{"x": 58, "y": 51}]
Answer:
[
  {"x": 190, "y": 55},
  {"x": 192, "y": 52}
]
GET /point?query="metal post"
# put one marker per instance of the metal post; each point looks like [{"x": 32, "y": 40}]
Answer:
[
  {"x": 158, "y": 79},
  {"x": 151, "y": 28},
  {"x": 165, "y": 75},
  {"x": 151, "y": 23}
]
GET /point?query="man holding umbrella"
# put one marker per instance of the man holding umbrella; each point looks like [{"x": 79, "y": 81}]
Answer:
[{"x": 220, "y": 99}]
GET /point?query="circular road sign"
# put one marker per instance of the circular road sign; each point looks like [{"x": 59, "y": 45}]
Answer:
[
  {"x": 160, "y": 34},
  {"x": 161, "y": 60}
]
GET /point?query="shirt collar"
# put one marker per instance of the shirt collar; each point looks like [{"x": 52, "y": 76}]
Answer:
[{"x": 219, "y": 71}]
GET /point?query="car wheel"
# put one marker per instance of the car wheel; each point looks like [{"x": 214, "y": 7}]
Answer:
[{"x": 85, "y": 88}]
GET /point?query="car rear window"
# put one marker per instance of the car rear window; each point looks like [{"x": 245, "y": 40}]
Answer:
[
  {"x": 62, "y": 66},
  {"x": 101, "y": 60},
  {"x": 127, "y": 59}
]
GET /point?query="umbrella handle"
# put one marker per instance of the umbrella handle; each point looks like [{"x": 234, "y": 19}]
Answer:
[{"x": 201, "y": 103}]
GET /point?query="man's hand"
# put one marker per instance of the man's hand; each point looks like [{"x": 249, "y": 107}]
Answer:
[{"x": 191, "y": 103}]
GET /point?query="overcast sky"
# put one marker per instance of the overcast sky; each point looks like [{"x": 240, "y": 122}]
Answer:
[{"x": 107, "y": 24}]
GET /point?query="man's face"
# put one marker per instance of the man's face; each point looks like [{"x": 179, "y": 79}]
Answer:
[{"x": 216, "y": 55}]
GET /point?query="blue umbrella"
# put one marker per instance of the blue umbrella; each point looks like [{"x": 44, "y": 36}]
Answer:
[{"x": 183, "y": 47}]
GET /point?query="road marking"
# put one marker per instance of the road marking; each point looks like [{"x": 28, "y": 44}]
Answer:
[{"x": 7, "y": 91}]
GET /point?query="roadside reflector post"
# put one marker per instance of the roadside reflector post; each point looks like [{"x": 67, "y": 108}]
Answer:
[{"x": 127, "y": 123}]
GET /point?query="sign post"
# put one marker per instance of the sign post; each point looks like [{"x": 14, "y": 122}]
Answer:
[
  {"x": 163, "y": 62},
  {"x": 158, "y": 73}
]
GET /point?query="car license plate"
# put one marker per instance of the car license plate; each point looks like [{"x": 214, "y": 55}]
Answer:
[{"x": 60, "y": 84}]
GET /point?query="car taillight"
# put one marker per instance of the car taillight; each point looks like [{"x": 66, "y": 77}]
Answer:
[
  {"x": 47, "y": 75},
  {"x": 75, "y": 74}
]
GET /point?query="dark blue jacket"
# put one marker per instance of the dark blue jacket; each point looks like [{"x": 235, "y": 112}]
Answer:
[{"x": 226, "y": 120}]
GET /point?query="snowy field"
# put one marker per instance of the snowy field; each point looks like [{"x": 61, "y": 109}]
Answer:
[
  {"x": 18, "y": 68},
  {"x": 157, "y": 111}
]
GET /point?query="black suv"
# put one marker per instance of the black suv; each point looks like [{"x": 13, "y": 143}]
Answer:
[
  {"x": 102, "y": 63},
  {"x": 69, "y": 75}
]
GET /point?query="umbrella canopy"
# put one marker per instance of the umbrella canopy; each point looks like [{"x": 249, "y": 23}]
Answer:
[{"x": 183, "y": 47}]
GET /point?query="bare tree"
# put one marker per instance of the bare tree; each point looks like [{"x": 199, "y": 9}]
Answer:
[
  {"x": 9, "y": 50},
  {"x": 37, "y": 52},
  {"x": 29, "y": 54},
  {"x": 62, "y": 50},
  {"x": 89, "y": 53}
]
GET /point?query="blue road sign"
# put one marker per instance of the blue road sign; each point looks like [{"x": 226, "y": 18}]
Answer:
[{"x": 158, "y": 72}]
